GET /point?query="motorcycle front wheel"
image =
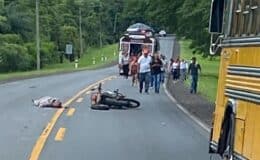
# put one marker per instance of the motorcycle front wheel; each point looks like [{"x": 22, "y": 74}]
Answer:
[{"x": 130, "y": 103}]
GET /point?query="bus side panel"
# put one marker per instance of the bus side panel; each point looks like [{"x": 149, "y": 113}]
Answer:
[
  {"x": 247, "y": 56},
  {"x": 239, "y": 137},
  {"x": 240, "y": 125},
  {"x": 220, "y": 99},
  {"x": 256, "y": 135},
  {"x": 247, "y": 135},
  {"x": 218, "y": 116},
  {"x": 249, "y": 130}
]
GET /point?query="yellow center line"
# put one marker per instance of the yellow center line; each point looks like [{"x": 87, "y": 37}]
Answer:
[
  {"x": 60, "y": 134},
  {"x": 79, "y": 100},
  {"x": 71, "y": 112},
  {"x": 38, "y": 147}
]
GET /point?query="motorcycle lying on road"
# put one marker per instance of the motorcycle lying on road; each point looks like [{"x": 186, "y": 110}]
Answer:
[{"x": 110, "y": 100}]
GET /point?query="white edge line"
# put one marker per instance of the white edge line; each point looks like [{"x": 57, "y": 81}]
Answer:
[{"x": 195, "y": 119}]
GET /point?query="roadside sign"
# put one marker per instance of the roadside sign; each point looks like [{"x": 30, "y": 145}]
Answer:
[{"x": 69, "y": 48}]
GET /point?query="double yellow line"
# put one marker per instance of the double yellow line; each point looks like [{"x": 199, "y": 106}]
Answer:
[{"x": 38, "y": 147}]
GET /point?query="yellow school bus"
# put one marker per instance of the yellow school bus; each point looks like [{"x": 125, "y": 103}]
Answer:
[{"x": 235, "y": 29}]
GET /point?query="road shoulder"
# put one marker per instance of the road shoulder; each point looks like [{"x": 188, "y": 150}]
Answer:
[{"x": 194, "y": 105}]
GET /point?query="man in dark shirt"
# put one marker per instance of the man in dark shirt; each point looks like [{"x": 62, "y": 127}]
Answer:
[
  {"x": 194, "y": 72},
  {"x": 156, "y": 69}
]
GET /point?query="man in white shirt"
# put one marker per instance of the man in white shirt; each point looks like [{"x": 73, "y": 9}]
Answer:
[{"x": 144, "y": 68}]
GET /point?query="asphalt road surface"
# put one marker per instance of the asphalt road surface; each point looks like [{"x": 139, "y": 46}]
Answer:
[{"x": 157, "y": 130}]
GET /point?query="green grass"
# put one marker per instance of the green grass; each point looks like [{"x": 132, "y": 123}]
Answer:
[
  {"x": 85, "y": 62},
  {"x": 96, "y": 54},
  {"x": 207, "y": 85}
]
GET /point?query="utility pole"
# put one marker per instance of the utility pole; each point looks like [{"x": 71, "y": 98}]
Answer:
[
  {"x": 100, "y": 27},
  {"x": 80, "y": 32},
  {"x": 115, "y": 23},
  {"x": 100, "y": 36},
  {"x": 114, "y": 31},
  {"x": 37, "y": 36}
]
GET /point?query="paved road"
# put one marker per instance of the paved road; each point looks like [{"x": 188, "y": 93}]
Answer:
[
  {"x": 21, "y": 124},
  {"x": 156, "y": 130}
]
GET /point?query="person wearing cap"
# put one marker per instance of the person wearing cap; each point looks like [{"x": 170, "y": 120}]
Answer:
[
  {"x": 193, "y": 70},
  {"x": 144, "y": 70}
]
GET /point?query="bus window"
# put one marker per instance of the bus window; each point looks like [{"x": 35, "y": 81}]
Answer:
[
  {"x": 255, "y": 17},
  {"x": 236, "y": 17},
  {"x": 246, "y": 14},
  {"x": 216, "y": 18},
  {"x": 227, "y": 18},
  {"x": 239, "y": 18}
]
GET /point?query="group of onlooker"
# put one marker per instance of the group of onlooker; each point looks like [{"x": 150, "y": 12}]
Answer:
[
  {"x": 178, "y": 68},
  {"x": 149, "y": 70}
]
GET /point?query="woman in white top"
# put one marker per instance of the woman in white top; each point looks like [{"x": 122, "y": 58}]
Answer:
[
  {"x": 183, "y": 68},
  {"x": 174, "y": 70}
]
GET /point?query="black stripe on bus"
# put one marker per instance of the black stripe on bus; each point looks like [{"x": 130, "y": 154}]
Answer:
[
  {"x": 243, "y": 95},
  {"x": 244, "y": 71},
  {"x": 246, "y": 41}
]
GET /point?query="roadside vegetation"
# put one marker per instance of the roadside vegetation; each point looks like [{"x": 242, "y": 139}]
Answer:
[
  {"x": 207, "y": 84},
  {"x": 102, "y": 23},
  {"x": 86, "y": 62}
]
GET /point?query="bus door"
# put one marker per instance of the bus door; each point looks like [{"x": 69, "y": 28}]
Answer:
[{"x": 135, "y": 49}]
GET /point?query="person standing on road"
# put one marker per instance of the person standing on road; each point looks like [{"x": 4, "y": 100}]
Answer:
[
  {"x": 193, "y": 70},
  {"x": 152, "y": 77},
  {"x": 183, "y": 68},
  {"x": 125, "y": 64},
  {"x": 178, "y": 68},
  {"x": 156, "y": 67},
  {"x": 174, "y": 70},
  {"x": 133, "y": 70},
  {"x": 144, "y": 69},
  {"x": 163, "y": 68}
]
